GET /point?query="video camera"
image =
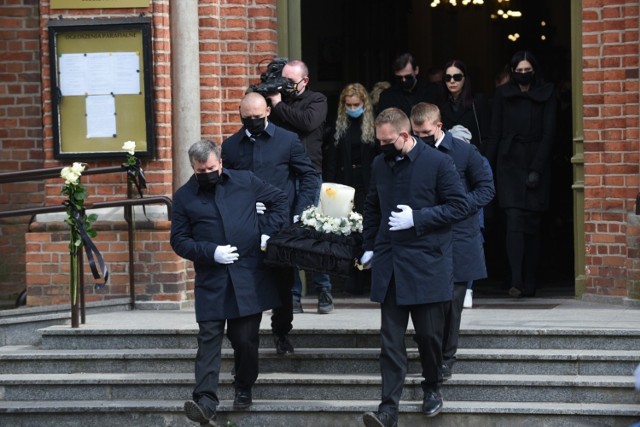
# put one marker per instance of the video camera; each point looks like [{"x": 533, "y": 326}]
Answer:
[{"x": 271, "y": 81}]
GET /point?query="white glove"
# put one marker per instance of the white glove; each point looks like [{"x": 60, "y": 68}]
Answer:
[
  {"x": 260, "y": 208},
  {"x": 226, "y": 254},
  {"x": 401, "y": 220},
  {"x": 366, "y": 260},
  {"x": 263, "y": 242},
  {"x": 296, "y": 218}
]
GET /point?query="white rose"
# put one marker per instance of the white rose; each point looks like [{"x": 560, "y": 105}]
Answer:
[
  {"x": 77, "y": 168},
  {"x": 69, "y": 175},
  {"x": 129, "y": 147}
]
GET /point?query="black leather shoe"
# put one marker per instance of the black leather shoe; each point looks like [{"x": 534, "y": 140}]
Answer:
[
  {"x": 432, "y": 404},
  {"x": 379, "y": 419},
  {"x": 199, "y": 414},
  {"x": 515, "y": 292},
  {"x": 446, "y": 372},
  {"x": 242, "y": 399},
  {"x": 283, "y": 346}
]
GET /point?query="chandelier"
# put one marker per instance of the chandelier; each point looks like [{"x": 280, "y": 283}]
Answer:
[{"x": 503, "y": 11}]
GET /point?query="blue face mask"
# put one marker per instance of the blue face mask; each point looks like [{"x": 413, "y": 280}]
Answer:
[{"x": 355, "y": 113}]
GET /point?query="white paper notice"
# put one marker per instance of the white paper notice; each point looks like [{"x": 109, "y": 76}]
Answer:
[
  {"x": 101, "y": 116},
  {"x": 101, "y": 73},
  {"x": 126, "y": 73},
  {"x": 73, "y": 72}
]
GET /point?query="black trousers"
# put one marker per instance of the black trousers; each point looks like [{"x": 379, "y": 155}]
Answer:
[
  {"x": 428, "y": 322},
  {"x": 453, "y": 316},
  {"x": 243, "y": 333},
  {"x": 282, "y": 317}
]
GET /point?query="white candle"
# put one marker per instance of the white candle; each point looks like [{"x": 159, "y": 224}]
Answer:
[{"x": 336, "y": 200}]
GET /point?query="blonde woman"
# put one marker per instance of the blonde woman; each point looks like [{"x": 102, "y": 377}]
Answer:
[
  {"x": 354, "y": 142},
  {"x": 350, "y": 155}
]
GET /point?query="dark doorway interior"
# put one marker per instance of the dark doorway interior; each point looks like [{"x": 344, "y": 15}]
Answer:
[{"x": 356, "y": 41}]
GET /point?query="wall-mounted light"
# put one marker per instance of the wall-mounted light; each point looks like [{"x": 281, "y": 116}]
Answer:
[{"x": 513, "y": 37}]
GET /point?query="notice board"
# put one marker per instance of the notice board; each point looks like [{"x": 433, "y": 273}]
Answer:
[{"x": 101, "y": 75}]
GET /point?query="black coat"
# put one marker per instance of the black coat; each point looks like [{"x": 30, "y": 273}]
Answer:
[
  {"x": 277, "y": 157},
  {"x": 466, "y": 117},
  {"x": 343, "y": 168},
  {"x": 420, "y": 258},
  {"x": 396, "y": 97},
  {"x": 201, "y": 221},
  {"x": 304, "y": 115},
  {"x": 522, "y": 135},
  {"x": 468, "y": 250}
]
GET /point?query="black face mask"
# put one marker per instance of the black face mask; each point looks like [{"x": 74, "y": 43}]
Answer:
[
  {"x": 430, "y": 140},
  {"x": 254, "y": 126},
  {"x": 390, "y": 151},
  {"x": 523, "y": 79},
  {"x": 208, "y": 181},
  {"x": 408, "y": 82}
]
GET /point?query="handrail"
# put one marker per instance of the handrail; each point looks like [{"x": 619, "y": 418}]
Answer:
[
  {"x": 127, "y": 204},
  {"x": 95, "y": 205},
  {"x": 37, "y": 174}
]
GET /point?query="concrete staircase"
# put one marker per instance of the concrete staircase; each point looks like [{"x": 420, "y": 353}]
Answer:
[{"x": 141, "y": 377}]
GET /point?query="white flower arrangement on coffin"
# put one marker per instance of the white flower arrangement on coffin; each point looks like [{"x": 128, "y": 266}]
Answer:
[{"x": 312, "y": 217}]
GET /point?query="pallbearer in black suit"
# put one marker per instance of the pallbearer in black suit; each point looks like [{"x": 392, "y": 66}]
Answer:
[
  {"x": 468, "y": 250},
  {"x": 414, "y": 197}
]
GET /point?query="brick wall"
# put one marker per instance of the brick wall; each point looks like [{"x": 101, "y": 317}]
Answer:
[
  {"x": 159, "y": 275},
  {"x": 234, "y": 37},
  {"x": 611, "y": 128},
  {"x": 20, "y": 133}
]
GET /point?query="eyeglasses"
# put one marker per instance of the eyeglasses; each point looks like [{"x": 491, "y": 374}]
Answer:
[{"x": 457, "y": 77}]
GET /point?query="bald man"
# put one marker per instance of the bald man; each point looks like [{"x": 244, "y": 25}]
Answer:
[{"x": 277, "y": 156}]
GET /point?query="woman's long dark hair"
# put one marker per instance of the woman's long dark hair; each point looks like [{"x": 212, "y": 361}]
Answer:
[{"x": 466, "y": 95}]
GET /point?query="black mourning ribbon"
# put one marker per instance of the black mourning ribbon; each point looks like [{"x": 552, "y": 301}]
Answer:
[
  {"x": 90, "y": 248},
  {"x": 137, "y": 175}
]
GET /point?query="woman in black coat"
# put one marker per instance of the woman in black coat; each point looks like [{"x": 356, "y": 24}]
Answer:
[
  {"x": 353, "y": 142},
  {"x": 522, "y": 135},
  {"x": 459, "y": 105},
  {"x": 352, "y": 150}
]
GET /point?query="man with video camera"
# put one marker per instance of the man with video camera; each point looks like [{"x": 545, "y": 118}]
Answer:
[{"x": 303, "y": 111}]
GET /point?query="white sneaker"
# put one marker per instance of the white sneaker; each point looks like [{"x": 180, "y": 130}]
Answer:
[{"x": 468, "y": 299}]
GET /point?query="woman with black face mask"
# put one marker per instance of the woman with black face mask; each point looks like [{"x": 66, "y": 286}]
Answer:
[{"x": 519, "y": 150}]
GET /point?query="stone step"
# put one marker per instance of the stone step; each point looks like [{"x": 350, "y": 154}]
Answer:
[
  {"x": 309, "y": 413},
  {"x": 585, "y": 389},
  {"x": 30, "y": 359},
  {"x": 63, "y": 337}
]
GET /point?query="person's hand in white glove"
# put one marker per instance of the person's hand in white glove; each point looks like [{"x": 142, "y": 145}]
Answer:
[
  {"x": 401, "y": 220},
  {"x": 225, "y": 254},
  {"x": 365, "y": 260},
  {"x": 263, "y": 242},
  {"x": 260, "y": 208}
]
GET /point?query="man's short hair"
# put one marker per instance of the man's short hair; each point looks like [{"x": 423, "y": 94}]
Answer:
[
  {"x": 201, "y": 150},
  {"x": 402, "y": 60},
  {"x": 395, "y": 117},
  {"x": 424, "y": 112}
]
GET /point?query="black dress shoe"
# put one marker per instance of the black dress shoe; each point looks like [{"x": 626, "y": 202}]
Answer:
[
  {"x": 283, "y": 346},
  {"x": 200, "y": 414},
  {"x": 446, "y": 372},
  {"x": 242, "y": 399},
  {"x": 432, "y": 404},
  {"x": 379, "y": 419}
]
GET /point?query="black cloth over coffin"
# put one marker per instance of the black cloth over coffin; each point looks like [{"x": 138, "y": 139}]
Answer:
[{"x": 310, "y": 250}]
